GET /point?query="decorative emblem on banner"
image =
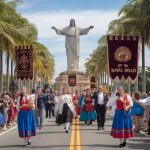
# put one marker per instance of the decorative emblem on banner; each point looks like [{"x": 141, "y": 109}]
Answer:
[
  {"x": 24, "y": 62},
  {"x": 123, "y": 54},
  {"x": 72, "y": 80},
  {"x": 123, "y": 57}
]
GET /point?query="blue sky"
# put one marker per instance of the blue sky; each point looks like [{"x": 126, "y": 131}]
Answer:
[{"x": 47, "y": 13}]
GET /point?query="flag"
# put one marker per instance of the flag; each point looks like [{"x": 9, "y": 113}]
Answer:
[
  {"x": 24, "y": 62},
  {"x": 123, "y": 57}
]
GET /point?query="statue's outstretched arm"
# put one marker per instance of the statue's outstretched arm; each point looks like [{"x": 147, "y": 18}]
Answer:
[
  {"x": 54, "y": 28},
  {"x": 84, "y": 31},
  {"x": 91, "y": 27},
  {"x": 58, "y": 31}
]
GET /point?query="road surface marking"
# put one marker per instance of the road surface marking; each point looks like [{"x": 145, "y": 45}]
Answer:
[
  {"x": 72, "y": 142},
  {"x": 8, "y": 130},
  {"x": 78, "y": 139}
]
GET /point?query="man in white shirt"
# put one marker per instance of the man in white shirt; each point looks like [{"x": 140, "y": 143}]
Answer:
[{"x": 100, "y": 107}]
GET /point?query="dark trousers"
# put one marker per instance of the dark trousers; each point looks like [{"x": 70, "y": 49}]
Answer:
[
  {"x": 101, "y": 111},
  {"x": 149, "y": 127},
  {"x": 48, "y": 110}
]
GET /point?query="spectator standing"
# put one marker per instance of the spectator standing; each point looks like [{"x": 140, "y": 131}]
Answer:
[
  {"x": 40, "y": 106},
  {"x": 137, "y": 111}
]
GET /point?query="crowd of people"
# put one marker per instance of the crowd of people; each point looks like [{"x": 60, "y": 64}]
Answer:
[{"x": 131, "y": 113}]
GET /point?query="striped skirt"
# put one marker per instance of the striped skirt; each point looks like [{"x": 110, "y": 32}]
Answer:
[{"x": 122, "y": 125}]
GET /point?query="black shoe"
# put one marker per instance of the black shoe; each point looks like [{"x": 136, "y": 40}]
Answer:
[
  {"x": 65, "y": 128},
  {"x": 121, "y": 145},
  {"x": 124, "y": 144},
  {"x": 103, "y": 128},
  {"x": 29, "y": 142},
  {"x": 99, "y": 128},
  {"x": 67, "y": 131}
]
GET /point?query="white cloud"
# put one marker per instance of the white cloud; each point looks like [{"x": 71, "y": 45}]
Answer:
[
  {"x": 99, "y": 18},
  {"x": 44, "y": 20}
]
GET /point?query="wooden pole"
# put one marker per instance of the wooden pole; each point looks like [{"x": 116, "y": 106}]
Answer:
[{"x": 143, "y": 66}]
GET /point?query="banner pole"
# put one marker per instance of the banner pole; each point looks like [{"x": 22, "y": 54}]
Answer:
[{"x": 143, "y": 66}]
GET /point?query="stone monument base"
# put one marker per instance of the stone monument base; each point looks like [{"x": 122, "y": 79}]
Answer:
[{"x": 82, "y": 81}]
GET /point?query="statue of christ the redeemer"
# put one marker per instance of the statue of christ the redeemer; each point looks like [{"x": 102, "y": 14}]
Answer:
[{"x": 72, "y": 34}]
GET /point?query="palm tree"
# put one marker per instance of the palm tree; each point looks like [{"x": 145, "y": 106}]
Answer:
[
  {"x": 43, "y": 62},
  {"x": 134, "y": 19},
  {"x": 97, "y": 64},
  {"x": 14, "y": 30}
]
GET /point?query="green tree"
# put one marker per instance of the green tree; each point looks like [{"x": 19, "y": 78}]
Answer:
[{"x": 134, "y": 19}]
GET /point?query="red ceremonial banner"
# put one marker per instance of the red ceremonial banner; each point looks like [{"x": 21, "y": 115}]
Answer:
[
  {"x": 72, "y": 80},
  {"x": 93, "y": 82},
  {"x": 123, "y": 57},
  {"x": 24, "y": 62}
]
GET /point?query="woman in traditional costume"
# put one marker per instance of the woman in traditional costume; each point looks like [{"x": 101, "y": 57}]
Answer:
[
  {"x": 81, "y": 101},
  {"x": 137, "y": 111},
  {"x": 65, "y": 109},
  {"x": 11, "y": 111},
  {"x": 26, "y": 120},
  {"x": 88, "y": 113},
  {"x": 122, "y": 122}
]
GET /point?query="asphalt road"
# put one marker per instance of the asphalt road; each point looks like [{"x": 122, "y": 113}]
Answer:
[{"x": 81, "y": 137}]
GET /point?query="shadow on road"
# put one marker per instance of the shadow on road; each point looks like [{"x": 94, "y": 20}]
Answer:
[
  {"x": 51, "y": 132},
  {"x": 12, "y": 146},
  {"x": 144, "y": 146}
]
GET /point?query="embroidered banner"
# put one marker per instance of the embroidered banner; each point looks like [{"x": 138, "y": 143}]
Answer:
[
  {"x": 72, "y": 80},
  {"x": 24, "y": 62},
  {"x": 123, "y": 57}
]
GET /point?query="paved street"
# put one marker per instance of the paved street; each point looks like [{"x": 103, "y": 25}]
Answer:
[{"x": 81, "y": 137}]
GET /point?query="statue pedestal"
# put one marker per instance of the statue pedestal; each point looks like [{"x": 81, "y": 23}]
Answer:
[{"x": 82, "y": 81}]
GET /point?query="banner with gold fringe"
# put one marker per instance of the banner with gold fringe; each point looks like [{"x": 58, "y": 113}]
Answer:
[
  {"x": 123, "y": 57},
  {"x": 24, "y": 62}
]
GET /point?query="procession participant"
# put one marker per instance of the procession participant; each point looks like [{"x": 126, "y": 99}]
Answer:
[
  {"x": 101, "y": 100},
  {"x": 75, "y": 101},
  {"x": 15, "y": 111},
  {"x": 80, "y": 101},
  {"x": 56, "y": 100},
  {"x": 146, "y": 118},
  {"x": 33, "y": 97},
  {"x": 11, "y": 111},
  {"x": 88, "y": 113},
  {"x": 39, "y": 106},
  {"x": 49, "y": 104},
  {"x": 137, "y": 111},
  {"x": 122, "y": 122},
  {"x": 26, "y": 120},
  {"x": 65, "y": 109}
]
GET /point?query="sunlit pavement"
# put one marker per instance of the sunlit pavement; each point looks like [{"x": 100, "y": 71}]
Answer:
[{"x": 81, "y": 137}]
